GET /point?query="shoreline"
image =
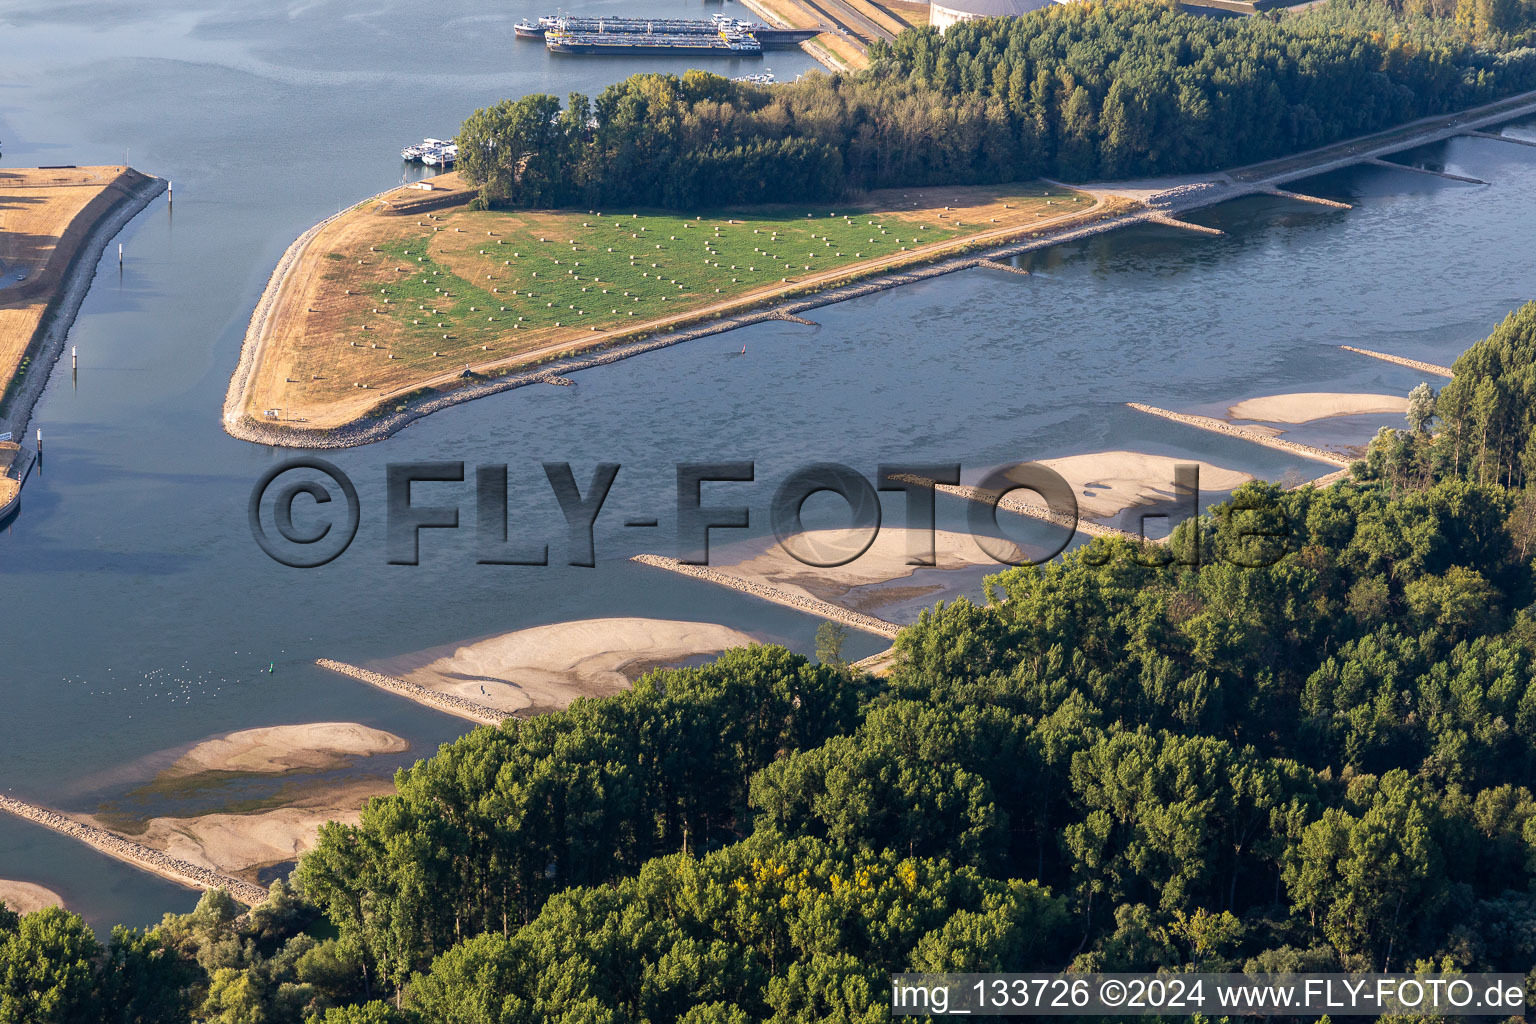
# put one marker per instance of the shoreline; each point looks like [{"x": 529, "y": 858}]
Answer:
[
  {"x": 136, "y": 854},
  {"x": 1412, "y": 364},
  {"x": 59, "y": 318},
  {"x": 1157, "y": 200},
  {"x": 1216, "y": 426},
  {"x": 765, "y": 592},
  {"x": 447, "y": 703}
]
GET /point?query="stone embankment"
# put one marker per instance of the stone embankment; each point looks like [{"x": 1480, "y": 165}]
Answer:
[
  {"x": 137, "y": 854},
  {"x": 447, "y": 703},
  {"x": 1007, "y": 268},
  {"x": 823, "y": 609},
  {"x": 1412, "y": 364},
  {"x": 82, "y": 271},
  {"x": 1257, "y": 437}
]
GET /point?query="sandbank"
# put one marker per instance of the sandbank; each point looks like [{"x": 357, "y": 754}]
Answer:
[
  {"x": 26, "y": 897},
  {"x": 888, "y": 558},
  {"x": 242, "y": 844},
  {"x": 312, "y": 746},
  {"x": 1306, "y": 406},
  {"x": 1108, "y": 483},
  {"x": 546, "y": 667}
]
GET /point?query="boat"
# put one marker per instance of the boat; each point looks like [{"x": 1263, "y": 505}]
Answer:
[
  {"x": 530, "y": 30},
  {"x": 442, "y": 155},
  {"x": 430, "y": 152},
  {"x": 657, "y": 36}
]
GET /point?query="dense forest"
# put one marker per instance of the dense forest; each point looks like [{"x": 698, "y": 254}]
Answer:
[
  {"x": 1074, "y": 92},
  {"x": 1321, "y": 762}
]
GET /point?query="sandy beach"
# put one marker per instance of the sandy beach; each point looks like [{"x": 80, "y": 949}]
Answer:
[
  {"x": 312, "y": 746},
  {"x": 242, "y": 844},
  {"x": 1306, "y": 406},
  {"x": 1108, "y": 483},
  {"x": 25, "y": 897},
  {"x": 886, "y": 560},
  {"x": 547, "y": 667}
]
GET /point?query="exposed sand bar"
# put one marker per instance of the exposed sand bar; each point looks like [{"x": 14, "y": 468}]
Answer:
[
  {"x": 140, "y": 856},
  {"x": 27, "y": 897},
  {"x": 1010, "y": 501},
  {"x": 800, "y": 602},
  {"x": 544, "y": 668},
  {"x": 242, "y": 844},
  {"x": 1306, "y": 406},
  {"x": 313, "y": 746},
  {"x": 1415, "y": 364},
  {"x": 1246, "y": 433},
  {"x": 444, "y": 702},
  {"x": 893, "y": 554}
]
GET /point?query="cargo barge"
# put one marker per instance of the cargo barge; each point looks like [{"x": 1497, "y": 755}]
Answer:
[
  {"x": 718, "y": 35},
  {"x": 673, "y": 44}
]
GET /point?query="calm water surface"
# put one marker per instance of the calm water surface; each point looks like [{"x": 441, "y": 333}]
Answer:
[{"x": 143, "y": 618}]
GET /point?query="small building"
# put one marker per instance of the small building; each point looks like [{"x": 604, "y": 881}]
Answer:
[{"x": 944, "y": 13}]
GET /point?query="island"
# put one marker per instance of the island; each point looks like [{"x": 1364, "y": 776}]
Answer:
[{"x": 414, "y": 296}]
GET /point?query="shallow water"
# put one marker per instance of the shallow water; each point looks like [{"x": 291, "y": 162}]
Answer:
[{"x": 143, "y": 617}]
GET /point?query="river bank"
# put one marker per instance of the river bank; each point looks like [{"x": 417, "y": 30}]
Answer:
[{"x": 66, "y": 278}]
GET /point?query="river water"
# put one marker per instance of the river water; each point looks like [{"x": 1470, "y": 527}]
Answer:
[{"x": 141, "y": 617}]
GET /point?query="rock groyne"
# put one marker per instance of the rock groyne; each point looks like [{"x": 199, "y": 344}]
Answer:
[
  {"x": 822, "y": 609},
  {"x": 140, "y": 856},
  {"x": 1257, "y": 437},
  {"x": 1412, "y": 364},
  {"x": 447, "y": 703}
]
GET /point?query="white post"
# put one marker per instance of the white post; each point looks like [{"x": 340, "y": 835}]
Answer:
[{"x": 119, "y": 253}]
